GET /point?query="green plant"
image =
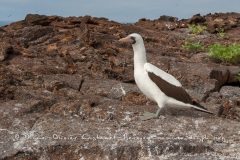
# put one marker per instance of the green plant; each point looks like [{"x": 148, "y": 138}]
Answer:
[
  {"x": 238, "y": 76},
  {"x": 190, "y": 45},
  {"x": 220, "y": 32},
  {"x": 196, "y": 29},
  {"x": 226, "y": 53}
]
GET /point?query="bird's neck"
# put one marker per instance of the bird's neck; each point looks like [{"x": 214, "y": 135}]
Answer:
[{"x": 139, "y": 56}]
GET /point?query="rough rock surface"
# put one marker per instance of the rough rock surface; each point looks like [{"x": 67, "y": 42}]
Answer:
[{"x": 67, "y": 90}]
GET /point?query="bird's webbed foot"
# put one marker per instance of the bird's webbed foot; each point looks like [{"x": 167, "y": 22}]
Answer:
[{"x": 148, "y": 115}]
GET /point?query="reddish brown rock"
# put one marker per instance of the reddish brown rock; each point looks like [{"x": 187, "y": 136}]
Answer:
[
  {"x": 35, "y": 19},
  {"x": 67, "y": 90},
  {"x": 197, "y": 19},
  {"x": 5, "y": 49}
]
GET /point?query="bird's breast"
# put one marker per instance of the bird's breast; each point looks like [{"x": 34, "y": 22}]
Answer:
[{"x": 144, "y": 83}]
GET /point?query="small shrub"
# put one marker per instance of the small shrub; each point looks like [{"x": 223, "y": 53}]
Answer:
[
  {"x": 190, "y": 45},
  {"x": 220, "y": 32},
  {"x": 196, "y": 29},
  {"x": 226, "y": 53}
]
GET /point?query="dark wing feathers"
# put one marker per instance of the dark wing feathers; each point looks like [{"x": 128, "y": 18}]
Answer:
[{"x": 171, "y": 90}]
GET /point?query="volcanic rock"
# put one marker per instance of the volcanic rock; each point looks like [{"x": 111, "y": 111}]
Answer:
[{"x": 67, "y": 90}]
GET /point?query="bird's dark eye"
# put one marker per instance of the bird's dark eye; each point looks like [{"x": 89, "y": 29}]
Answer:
[{"x": 134, "y": 39}]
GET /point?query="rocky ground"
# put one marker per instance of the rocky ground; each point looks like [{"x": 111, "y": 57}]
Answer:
[{"x": 67, "y": 90}]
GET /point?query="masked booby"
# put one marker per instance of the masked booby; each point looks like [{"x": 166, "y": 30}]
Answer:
[{"x": 155, "y": 83}]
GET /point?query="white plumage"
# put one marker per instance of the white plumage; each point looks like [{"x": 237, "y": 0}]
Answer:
[{"x": 155, "y": 83}]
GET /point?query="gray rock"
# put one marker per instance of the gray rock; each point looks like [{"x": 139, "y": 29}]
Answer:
[
  {"x": 230, "y": 92},
  {"x": 198, "y": 78},
  {"x": 234, "y": 71},
  {"x": 87, "y": 106}
]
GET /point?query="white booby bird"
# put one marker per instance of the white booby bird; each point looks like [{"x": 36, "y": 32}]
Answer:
[{"x": 155, "y": 83}]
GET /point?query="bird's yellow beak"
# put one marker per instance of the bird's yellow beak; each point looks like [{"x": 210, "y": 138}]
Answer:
[{"x": 126, "y": 39}]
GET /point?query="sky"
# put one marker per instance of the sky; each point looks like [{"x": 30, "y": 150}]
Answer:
[{"x": 124, "y": 11}]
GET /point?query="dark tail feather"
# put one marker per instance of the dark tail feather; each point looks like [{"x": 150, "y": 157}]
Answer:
[{"x": 194, "y": 102}]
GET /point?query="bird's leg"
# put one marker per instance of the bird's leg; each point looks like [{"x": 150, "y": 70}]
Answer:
[
  {"x": 158, "y": 112},
  {"x": 148, "y": 115}
]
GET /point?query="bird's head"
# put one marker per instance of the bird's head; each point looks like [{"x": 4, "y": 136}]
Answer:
[{"x": 133, "y": 39}]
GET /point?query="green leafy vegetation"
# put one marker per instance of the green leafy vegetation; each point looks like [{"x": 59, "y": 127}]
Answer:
[
  {"x": 220, "y": 32},
  {"x": 190, "y": 45},
  {"x": 238, "y": 77},
  {"x": 226, "y": 53},
  {"x": 196, "y": 29}
]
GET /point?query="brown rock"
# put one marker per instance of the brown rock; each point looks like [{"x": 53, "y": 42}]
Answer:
[
  {"x": 194, "y": 75},
  {"x": 228, "y": 110},
  {"x": 167, "y": 23},
  {"x": 5, "y": 49},
  {"x": 35, "y": 19},
  {"x": 197, "y": 18},
  {"x": 69, "y": 91},
  {"x": 216, "y": 23}
]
